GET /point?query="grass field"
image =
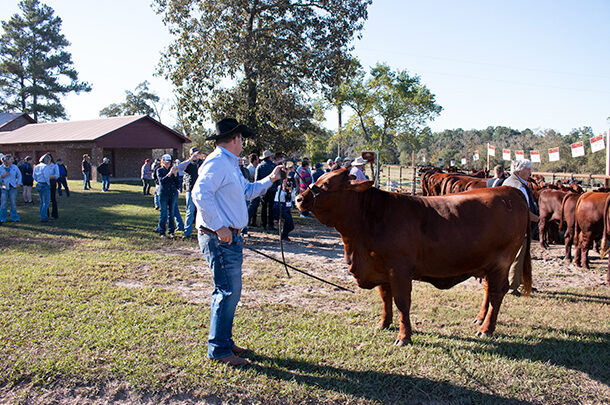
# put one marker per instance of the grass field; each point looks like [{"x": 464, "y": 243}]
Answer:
[{"x": 70, "y": 332}]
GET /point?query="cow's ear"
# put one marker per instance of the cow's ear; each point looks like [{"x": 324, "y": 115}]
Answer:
[{"x": 359, "y": 185}]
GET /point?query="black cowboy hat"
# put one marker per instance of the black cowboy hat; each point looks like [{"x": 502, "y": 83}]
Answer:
[{"x": 228, "y": 126}]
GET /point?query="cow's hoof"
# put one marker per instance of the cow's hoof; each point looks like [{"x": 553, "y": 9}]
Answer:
[
  {"x": 384, "y": 325},
  {"x": 477, "y": 321},
  {"x": 484, "y": 335},
  {"x": 402, "y": 342},
  {"x": 567, "y": 260}
]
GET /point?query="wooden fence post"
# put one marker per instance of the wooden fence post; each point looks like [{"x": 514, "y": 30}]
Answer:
[{"x": 413, "y": 187}]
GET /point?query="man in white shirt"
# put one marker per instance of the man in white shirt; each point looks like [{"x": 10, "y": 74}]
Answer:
[
  {"x": 10, "y": 179},
  {"x": 357, "y": 169},
  {"x": 220, "y": 195},
  {"x": 42, "y": 176}
]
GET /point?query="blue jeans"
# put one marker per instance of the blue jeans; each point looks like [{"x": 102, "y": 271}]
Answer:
[
  {"x": 177, "y": 215},
  {"x": 44, "y": 194},
  {"x": 8, "y": 197},
  {"x": 252, "y": 208},
  {"x": 191, "y": 211},
  {"x": 225, "y": 262},
  {"x": 166, "y": 204},
  {"x": 105, "y": 183},
  {"x": 86, "y": 180},
  {"x": 288, "y": 225}
]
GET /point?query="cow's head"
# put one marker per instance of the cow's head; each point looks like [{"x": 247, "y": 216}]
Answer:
[{"x": 326, "y": 194}]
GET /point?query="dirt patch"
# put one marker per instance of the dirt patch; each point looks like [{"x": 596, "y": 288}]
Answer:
[
  {"x": 112, "y": 392},
  {"x": 318, "y": 250}
]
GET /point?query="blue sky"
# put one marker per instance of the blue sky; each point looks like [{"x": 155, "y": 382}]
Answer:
[{"x": 524, "y": 64}]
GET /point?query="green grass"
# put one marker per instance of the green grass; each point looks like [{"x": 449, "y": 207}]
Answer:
[{"x": 64, "y": 322}]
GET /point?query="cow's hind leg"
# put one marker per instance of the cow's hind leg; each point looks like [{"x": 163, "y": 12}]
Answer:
[
  {"x": 496, "y": 289},
  {"x": 385, "y": 291},
  {"x": 485, "y": 306}
]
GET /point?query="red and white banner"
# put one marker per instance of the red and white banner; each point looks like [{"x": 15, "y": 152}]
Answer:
[
  {"x": 506, "y": 154},
  {"x": 491, "y": 150},
  {"x": 463, "y": 161},
  {"x": 475, "y": 157},
  {"x": 519, "y": 155},
  {"x": 553, "y": 154},
  {"x": 578, "y": 149},
  {"x": 535, "y": 156},
  {"x": 597, "y": 143}
]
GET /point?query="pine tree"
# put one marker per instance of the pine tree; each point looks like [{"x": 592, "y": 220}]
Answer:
[{"x": 35, "y": 70}]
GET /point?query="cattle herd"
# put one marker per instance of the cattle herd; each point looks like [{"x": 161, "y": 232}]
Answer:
[{"x": 457, "y": 229}]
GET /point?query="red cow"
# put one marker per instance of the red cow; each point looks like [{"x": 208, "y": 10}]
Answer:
[
  {"x": 589, "y": 224},
  {"x": 549, "y": 202},
  {"x": 391, "y": 239}
]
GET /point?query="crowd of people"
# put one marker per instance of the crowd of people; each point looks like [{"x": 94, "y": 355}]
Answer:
[{"x": 50, "y": 177}]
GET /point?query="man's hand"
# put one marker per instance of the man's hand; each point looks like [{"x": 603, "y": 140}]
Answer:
[
  {"x": 276, "y": 173},
  {"x": 225, "y": 234}
]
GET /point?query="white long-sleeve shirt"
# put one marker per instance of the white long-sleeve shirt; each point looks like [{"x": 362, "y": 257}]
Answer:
[{"x": 221, "y": 190}]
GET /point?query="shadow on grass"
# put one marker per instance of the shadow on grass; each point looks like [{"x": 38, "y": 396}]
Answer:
[
  {"x": 373, "y": 385},
  {"x": 585, "y": 352},
  {"x": 576, "y": 297}
]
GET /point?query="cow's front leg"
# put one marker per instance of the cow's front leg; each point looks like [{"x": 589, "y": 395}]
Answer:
[
  {"x": 401, "y": 287},
  {"x": 385, "y": 291}
]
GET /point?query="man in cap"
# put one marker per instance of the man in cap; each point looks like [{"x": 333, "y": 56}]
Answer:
[
  {"x": 167, "y": 177},
  {"x": 220, "y": 195},
  {"x": 10, "y": 179},
  {"x": 104, "y": 170},
  {"x": 262, "y": 171},
  {"x": 190, "y": 168}
]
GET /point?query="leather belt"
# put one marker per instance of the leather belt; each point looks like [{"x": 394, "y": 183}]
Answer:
[{"x": 204, "y": 230}]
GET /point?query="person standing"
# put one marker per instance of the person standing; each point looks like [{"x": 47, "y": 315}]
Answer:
[
  {"x": 283, "y": 198},
  {"x": 86, "y": 169},
  {"x": 254, "y": 203},
  {"x": 54, "y": 175},
  {"x": 168, "y": 189},
  {"x": 317, "y": 173},
  {"x": 220, "y": 195},
  {"x": 156, "y": 164},
  {"x": 263, "y": 171},
  {"x": 104, "y": 170},
  {"x": 521, "y": 171},
  {"x": 10, "y": 179},
  {"x": 146, "y": 175},
  {"x": 191, "y": 169},
  {"x": 498, "y": 178},
  {"x": 357, "y": 171},
  {"x": 42, "y": 176},
  {"x": 62, "y": 179},
  {"x": 27, "y": 170}
]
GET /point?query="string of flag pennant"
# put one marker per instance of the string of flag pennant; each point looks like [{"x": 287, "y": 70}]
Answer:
[{"x": 578, "y": 149}]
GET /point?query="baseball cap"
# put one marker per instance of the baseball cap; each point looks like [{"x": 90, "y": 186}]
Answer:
[
  {"x": 193, "y": 150},
  {"x": 166, "y": 158}
]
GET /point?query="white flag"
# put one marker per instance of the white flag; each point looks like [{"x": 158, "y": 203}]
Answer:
[
  {"x": 463, "y": 161},
  {"x": 423, "y": 158},
  {"x": 553, "y": 154},
  {"x": 475, "y": 157},
  {"x": 535, "y": 156},
  {"x": 491, "y": 150},
  {"x": 452, "y": 162},
  {"x": 597, "y": 143},
  {"x": 519, "y": 155},
  {"x": 506, "y": 154},
  {"x": 578, "y": 149}
]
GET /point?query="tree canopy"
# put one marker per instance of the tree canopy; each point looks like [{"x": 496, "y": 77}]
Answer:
[
  {"x": 140, "y": 101},
  {"x": 35, "y": 68},
  {"x": 258, "y": 60}
]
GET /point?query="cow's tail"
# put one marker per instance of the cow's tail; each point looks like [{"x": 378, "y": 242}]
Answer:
[
  {"x": 603, "y": 250},
  {"x": 526, "y": 277},
  {"x": 562, "y": 220}
]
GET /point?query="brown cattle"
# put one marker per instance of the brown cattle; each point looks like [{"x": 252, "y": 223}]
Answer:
[
  {"x": 391, "y": 239},
  {"x": 604, "y": 244},
  {"x": 567, "y": 222},
  {"x": 589, "y": 224},
  {"x": 549, "y": 202}
]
